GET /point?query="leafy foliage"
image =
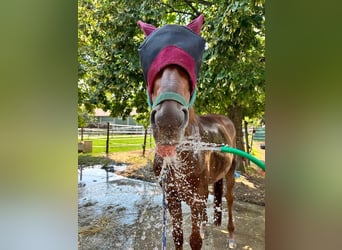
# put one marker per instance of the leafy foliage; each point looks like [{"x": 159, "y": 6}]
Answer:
[
  {"x": 233, "y": 69},
  {"x": 84, "y": 117},
  {"x": 109, "y": 65}
]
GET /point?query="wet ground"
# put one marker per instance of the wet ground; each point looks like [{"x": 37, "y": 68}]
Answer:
[{"x": 127, "y": 214}]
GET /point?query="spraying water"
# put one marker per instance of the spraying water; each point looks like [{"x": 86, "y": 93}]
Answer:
[{"x": 196, "y": 146}]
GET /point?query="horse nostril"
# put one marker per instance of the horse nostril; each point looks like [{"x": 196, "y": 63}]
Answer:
[
  {"x": 186, "y": 117},
  {"x": 153, "y": 118}
]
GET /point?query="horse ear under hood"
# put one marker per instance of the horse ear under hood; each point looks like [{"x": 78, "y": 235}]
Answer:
[
  {"x": 171, "y": 44},
  {"x": 196, "y": 24},
  {"x": 146, "y": 28}
]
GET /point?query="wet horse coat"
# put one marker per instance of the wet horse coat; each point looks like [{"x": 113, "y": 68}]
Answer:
[{"x": 171, "y": 73}]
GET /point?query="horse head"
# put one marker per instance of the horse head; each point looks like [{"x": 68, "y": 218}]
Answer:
[{"x": 171, "y": 57}]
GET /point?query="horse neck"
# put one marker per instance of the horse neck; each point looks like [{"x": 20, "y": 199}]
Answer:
[{"x": 193, "y": 123}]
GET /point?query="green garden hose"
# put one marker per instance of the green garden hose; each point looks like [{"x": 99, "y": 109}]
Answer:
[{"x": 226, "y": 149}]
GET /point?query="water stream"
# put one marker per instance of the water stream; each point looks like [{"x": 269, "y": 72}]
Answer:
[{"x": 193, "y": 143}]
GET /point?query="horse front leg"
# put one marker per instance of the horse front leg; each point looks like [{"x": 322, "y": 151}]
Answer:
[
  {"x": 175, "y": 210},
  {"x": 199, "y": 219}
]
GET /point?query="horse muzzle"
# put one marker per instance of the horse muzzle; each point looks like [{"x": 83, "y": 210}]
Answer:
[{"x": 168, "y": 120}]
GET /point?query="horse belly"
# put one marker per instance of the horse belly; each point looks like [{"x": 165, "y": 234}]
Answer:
[{"x": 218, "y": 165}]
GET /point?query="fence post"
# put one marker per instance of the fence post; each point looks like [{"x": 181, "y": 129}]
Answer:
[
  {"x": 107, "y": 141},
  {"x": 81, "y": 170},
  {"x": 144, "y": 145}
]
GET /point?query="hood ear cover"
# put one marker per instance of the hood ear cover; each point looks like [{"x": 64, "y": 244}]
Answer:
[{"x": 171, "y": 44}]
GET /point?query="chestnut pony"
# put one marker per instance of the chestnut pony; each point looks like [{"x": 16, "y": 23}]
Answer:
[{"x": 171, "y": 57}]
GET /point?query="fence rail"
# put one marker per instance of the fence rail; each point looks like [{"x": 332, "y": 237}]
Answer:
[
  {"x": 132, "y": 136},
  {"x": 114, "y": 130},
  {"x": 117, "y": 138}
]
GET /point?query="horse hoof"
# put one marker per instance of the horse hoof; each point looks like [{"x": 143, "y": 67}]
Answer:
[{"x": 231, "y": 244}]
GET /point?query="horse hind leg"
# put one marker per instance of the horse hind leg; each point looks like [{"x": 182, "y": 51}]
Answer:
[
  {"x": 230, "y": 180},
  {"x": 203, "y": 225},
  {"x": 218, "y": 190}
]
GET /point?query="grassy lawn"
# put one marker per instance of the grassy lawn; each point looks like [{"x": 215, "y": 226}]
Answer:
[
  {"x": 90, "y": 160},
  {"x": 123, "y": 145},
  {"x": 119, "y": 143}
]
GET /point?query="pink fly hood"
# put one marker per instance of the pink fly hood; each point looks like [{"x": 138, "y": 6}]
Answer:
[{"x": 171, "y": 44}]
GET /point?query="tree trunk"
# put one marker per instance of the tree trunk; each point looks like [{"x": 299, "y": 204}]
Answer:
[
  {"x": 248, "y": 148},
  {"x": 235, "y": 114}
]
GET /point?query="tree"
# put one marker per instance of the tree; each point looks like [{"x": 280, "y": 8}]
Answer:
[
  {"x": 144, "y": 120},
  {"x": 84, "y": 117},
  {"x": 108, "y": 59}
]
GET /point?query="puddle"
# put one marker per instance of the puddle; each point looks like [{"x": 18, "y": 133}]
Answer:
[{"x": 127, "y": 214}]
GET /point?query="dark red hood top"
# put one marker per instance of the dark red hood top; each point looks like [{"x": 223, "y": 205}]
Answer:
[{"x": 171, "y": 44}]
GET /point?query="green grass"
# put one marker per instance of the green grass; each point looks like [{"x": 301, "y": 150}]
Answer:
[
  {"x": 119, "y": 143},
  {"x": 90, "y": 160}
]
